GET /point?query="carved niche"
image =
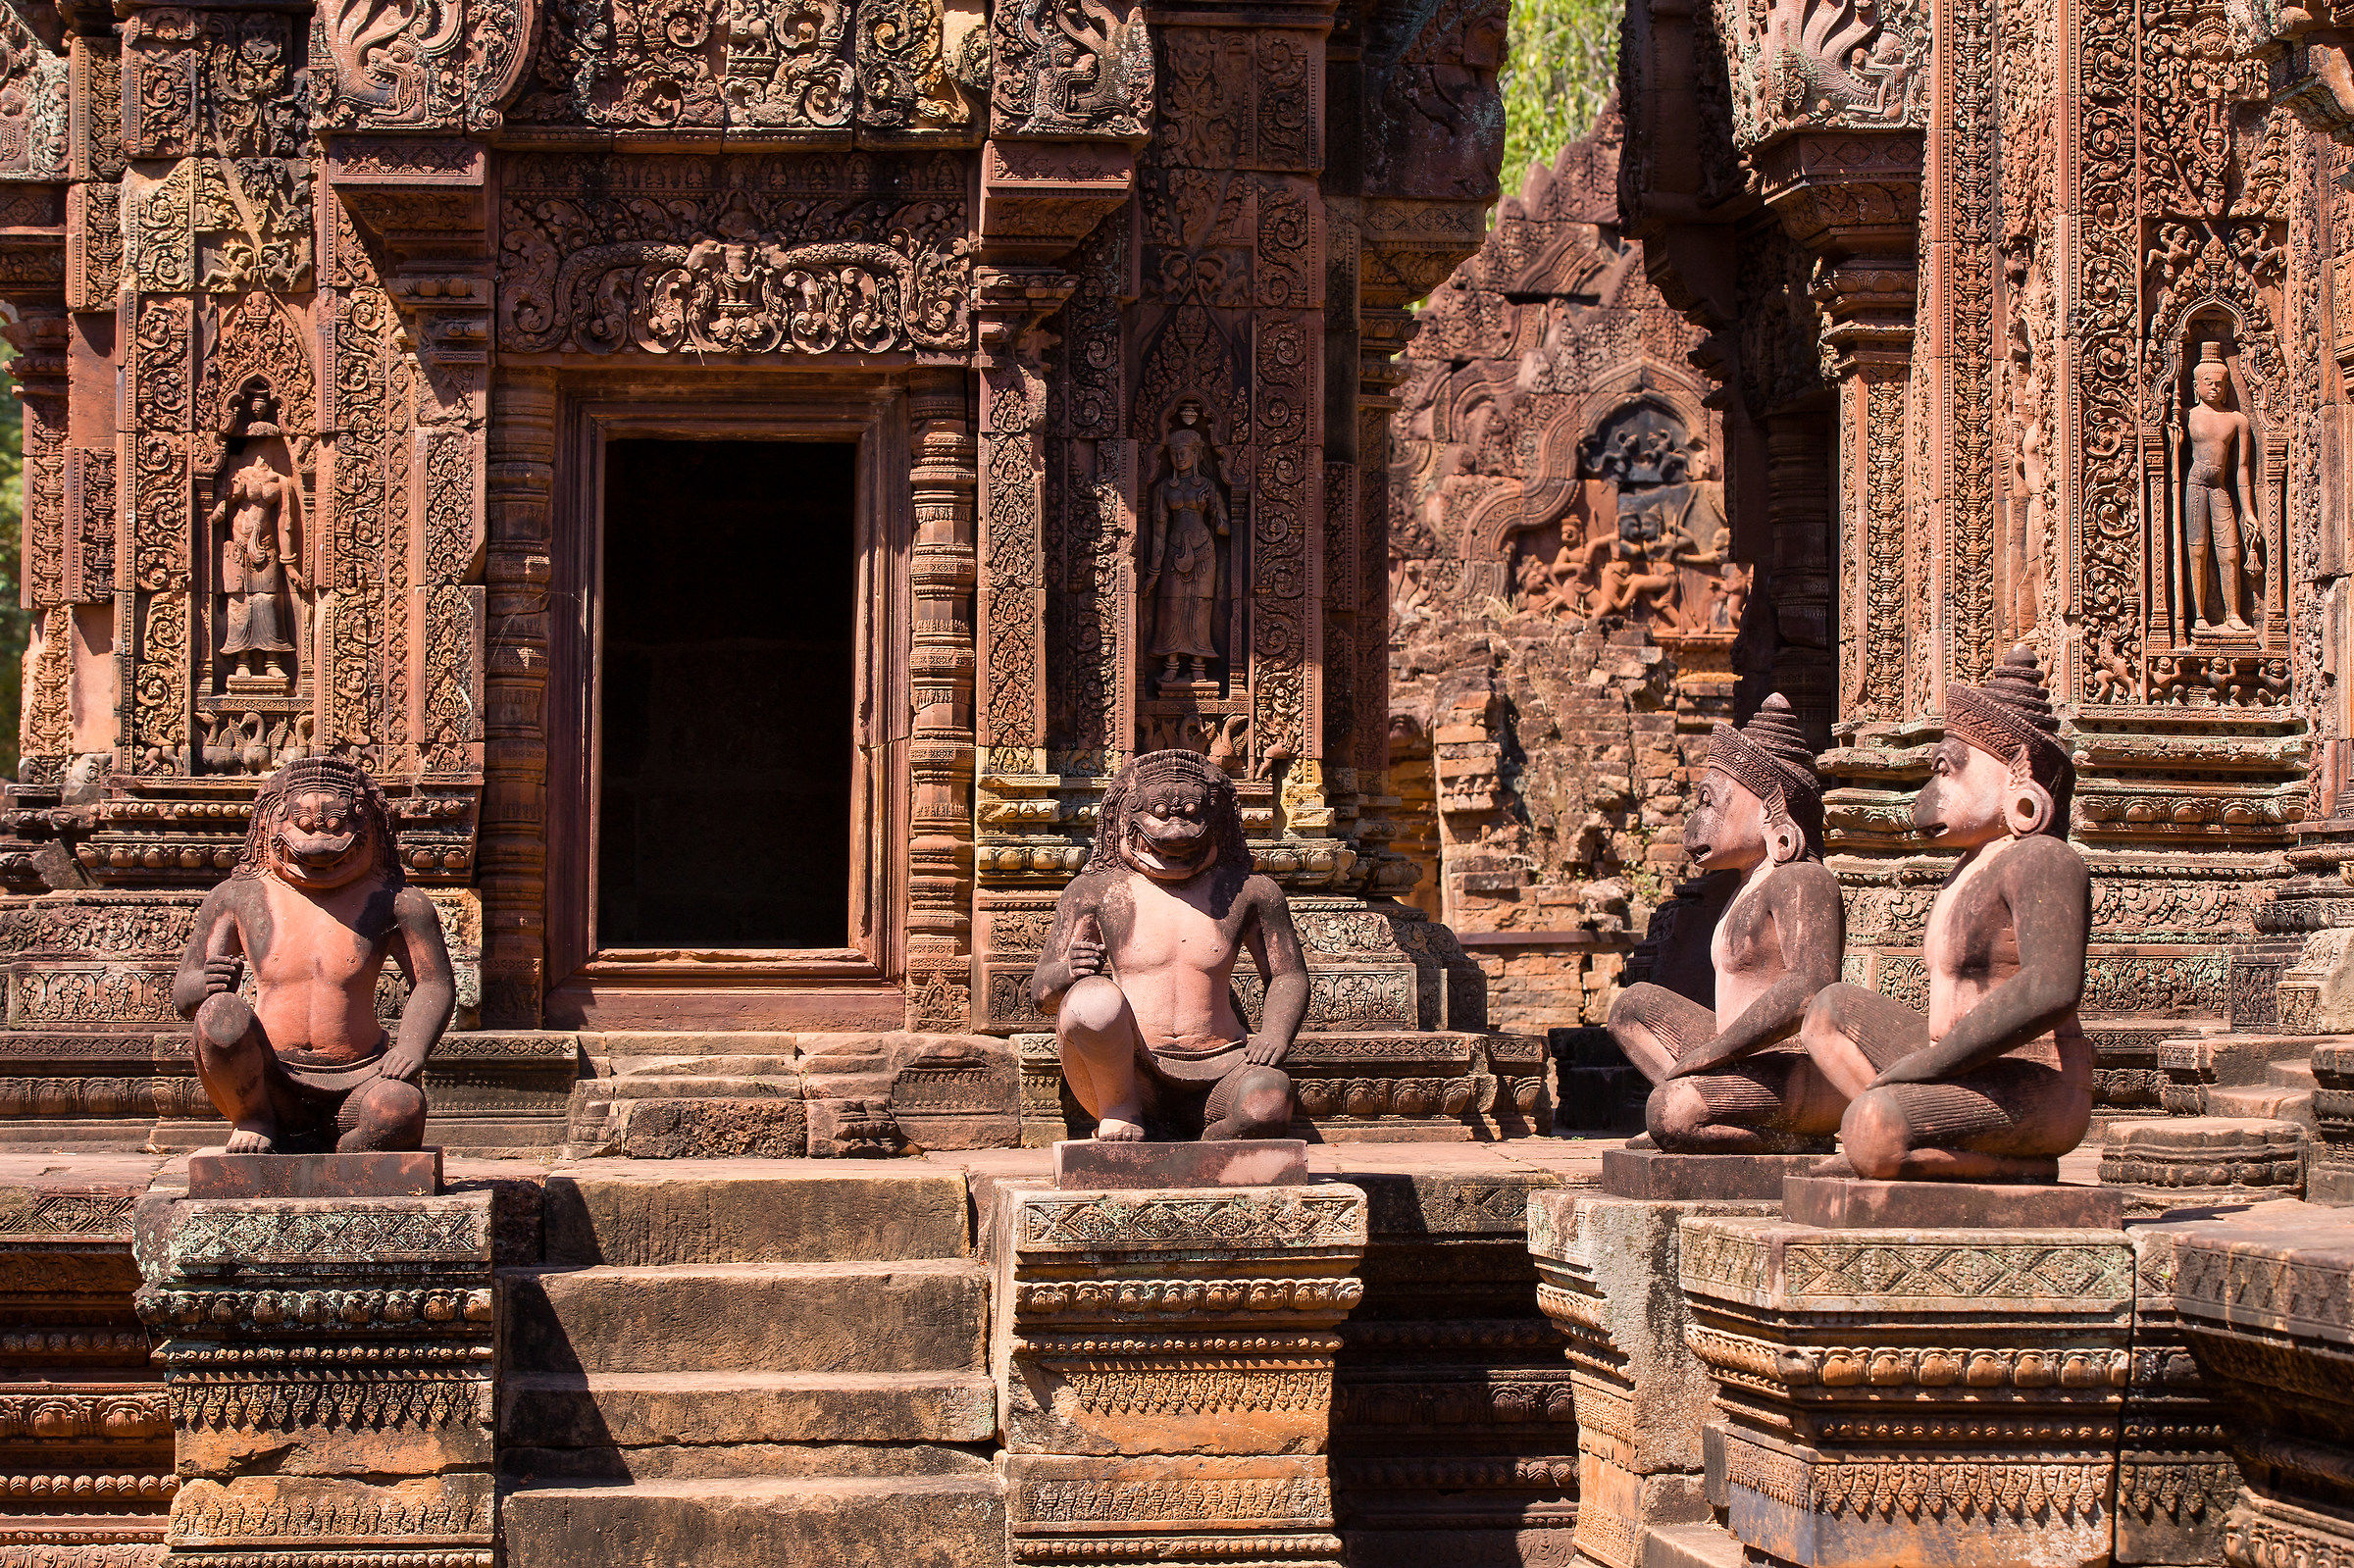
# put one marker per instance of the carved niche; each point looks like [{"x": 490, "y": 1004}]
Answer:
[{"x": 753, "y": 254}]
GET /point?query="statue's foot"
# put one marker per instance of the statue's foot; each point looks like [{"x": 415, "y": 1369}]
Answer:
[
  {"x": 1114, "y": 1130},
  {"x": 2236, "y": 623},
  {"x": 245, "y": 1139},
  {"x": 1837, "y": 1165}
]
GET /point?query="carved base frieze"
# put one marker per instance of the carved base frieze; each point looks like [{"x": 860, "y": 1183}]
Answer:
[
  {"x": 1877, "y": 1386},
  {"x": 1166, "y": 1374},
  {"x": 307, "y": 1344}
]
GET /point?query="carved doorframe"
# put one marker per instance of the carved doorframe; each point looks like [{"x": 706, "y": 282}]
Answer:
[{"x": 860, "y": 986}]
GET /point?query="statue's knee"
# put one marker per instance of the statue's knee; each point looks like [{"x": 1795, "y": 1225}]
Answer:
[
  {"x": 1826, "y": 1017},
  {"x": 225, "y": 1021},
  {"x": 1875, "y": 1135},
  {"x": 1675, "y": 1110},
  {"x": 1262, "y": 1101},
  {"x": 1092, "y": 1007},
  {"x": 388, "y": 1114}
]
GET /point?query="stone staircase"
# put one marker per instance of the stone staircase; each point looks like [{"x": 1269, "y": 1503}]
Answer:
[{"x": 722, "y": 1362}]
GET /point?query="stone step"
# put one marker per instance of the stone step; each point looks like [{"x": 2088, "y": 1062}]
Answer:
[
  {"x": 921, "y": 1316},
  {"x": 636, "y": 1067},
  {"x": 699, "y": 1085},
  {"x": 737, "y": 1211},
  {"x": 2296, "y": 1075},
  {"x": 1690, "y": 1546},
  {"x": 613, "y": 1466},
  {"x": 2263, "y": 1101},
  {"x": 917, "y": 1522},
  {"x": 646, "y": 1409}
]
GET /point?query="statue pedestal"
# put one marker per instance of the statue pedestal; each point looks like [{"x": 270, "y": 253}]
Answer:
[
  {"x": 1663, "y": 1177},
  {"x": 1166, "y": 1359},
  {"x": 1083, "y": 1164},
  {"x": 1950, "y": 1394},
  {"x": 1607, "y": 1268},
  {"x": 329, "y": 1364},
  {"x": 410, "y": 1173}
]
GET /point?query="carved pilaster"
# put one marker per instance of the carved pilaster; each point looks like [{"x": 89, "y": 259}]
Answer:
[
  {"x": 941, "y": 481},
  {"x": 1011, "y": 722},
  {"x": 513, "y": 873}
]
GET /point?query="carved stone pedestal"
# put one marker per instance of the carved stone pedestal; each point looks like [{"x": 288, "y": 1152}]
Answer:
[
  {"x": 2264, "y": 1301},
  {"x": 329, "y": 1364},
  {"x": 2177, "y": 1162},
  {"x": 1913, "y": 1395},
  {"x": 1166, "y": 1359},
  {"x": 1607, "y": 1268}
]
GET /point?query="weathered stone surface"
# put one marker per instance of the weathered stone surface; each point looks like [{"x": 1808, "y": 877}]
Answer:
[
  {"x": 1224, "y": 1162},
  {"x": 1837, "y": 1203},
  {"x": 1166, "y": 1507},
  {"x": 741, "y": 1212},
  {"x": 924, "y": 1521},
  {"x": 1660, "y": 1176},
  {"x": 413, "y": 1173},
  {"x": 786, "y": 1317},
  {"x": 646, "y": 1409},
  {"x": 1609, "y": 1268},
  {"x": 711, "y": 1129}
]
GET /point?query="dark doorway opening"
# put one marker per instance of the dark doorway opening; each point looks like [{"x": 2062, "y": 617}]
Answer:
[{"x": 726, "y": 694}]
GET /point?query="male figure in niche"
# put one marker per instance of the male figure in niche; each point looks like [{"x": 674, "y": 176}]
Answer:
[
  {"x": 1996, "y": 1083},
  {"x": 1137, "y": 973},
  {"x": 317, "y": 903},
  {"x": 1732, "y": 1079},
  {"x": 2219, "y": 498}
]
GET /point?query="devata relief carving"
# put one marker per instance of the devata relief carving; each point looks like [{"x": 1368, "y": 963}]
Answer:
[
  {"x": 2222, "y": 537},
  {"x": 1995, "y": 1082},
  {"x": 1183, "y": 561},
  {"x": 257, "y": 526},
  {"x": 1136, "y": 970},
  {"x": 316, "y": 906}
]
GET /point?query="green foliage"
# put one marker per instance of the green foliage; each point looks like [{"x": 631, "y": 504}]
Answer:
[
  {"x": 1563, "y": 64},
  {"x": 15, "y": 624}
]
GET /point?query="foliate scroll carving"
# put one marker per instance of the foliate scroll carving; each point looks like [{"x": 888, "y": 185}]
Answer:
[
  {"x": 1802, "y": 64},
  {"x": 809, "y": 255},
  {"x": 418, "y": 65},
  {"x": 32, "y": 104},
  {"x": 1071, "y": 68},
  {"x": 905, "y": 84},
  {"x": 211, "y": 83},
  {"x": 219, "y": 226}
]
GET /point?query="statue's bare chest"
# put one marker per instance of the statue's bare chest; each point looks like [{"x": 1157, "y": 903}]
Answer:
[
  {"x": 313, "y": 940},
  {"x": 1171, "y": 926}
]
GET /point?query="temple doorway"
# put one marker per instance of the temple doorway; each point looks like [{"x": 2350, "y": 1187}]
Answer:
[{"x": 726, "y": 694}]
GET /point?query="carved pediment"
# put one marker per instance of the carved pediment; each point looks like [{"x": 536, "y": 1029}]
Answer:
[
  {"x": 876, "y": 73},
  {"x": 807, "y": 254},
  {"x": 33, "y": 103},
  {"x": 418, "y": 65},
  {"x": 1072, "y": 68},
  {"x": 1824, "y": 65}
]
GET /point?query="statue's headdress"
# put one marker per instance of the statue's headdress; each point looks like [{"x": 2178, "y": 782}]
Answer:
[
  {"x": 308, "y": 776},
  {"x": 1151, "y": 768},
  {"x": 1771, "y": 758},
  {"x": 2009, "y": 717}
]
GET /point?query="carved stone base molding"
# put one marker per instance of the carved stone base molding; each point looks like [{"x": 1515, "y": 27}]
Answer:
[
  {"x": 329, "y": 1370},
  {"x": 86, "y": 1447},
  {"x": 1607, "y": 1268},
  {"x": 1357, "y": 1088},
  {"x": 1930, "y": 1395},
  {"x": 1165, "y": 1370},
  {"x": 2265, "y": 1300},
  {"x": 2330, "y": 1179},
  {"x": 2177, "y": 1162}
]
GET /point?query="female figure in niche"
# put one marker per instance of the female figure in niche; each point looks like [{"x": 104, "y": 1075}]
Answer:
[
  {"x": 1180, "y": 575},
  {"x": 261, "y": 560}
]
